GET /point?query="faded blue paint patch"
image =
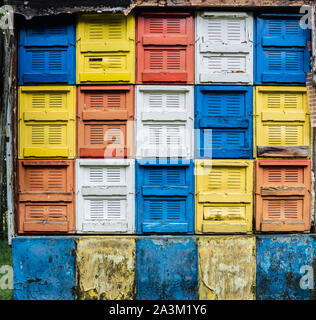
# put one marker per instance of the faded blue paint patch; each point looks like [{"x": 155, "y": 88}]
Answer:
[
  {"x": 43, "y": 268},
  {"x": 279, "y": 259},
  {"x": 166, "y": 268}
]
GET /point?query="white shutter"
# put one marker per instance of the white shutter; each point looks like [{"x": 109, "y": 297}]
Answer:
[
  {"x": 224, "y": 48},
  {"x": 164, "y": 116},
  {"x": 105, "y": 195}
]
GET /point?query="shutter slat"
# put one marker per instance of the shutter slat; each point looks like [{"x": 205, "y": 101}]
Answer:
[
  {"x": 165, "y": 47},
  {"x": 224, "y": 48},
  {"x": 105, "y": 195},
  {"x": 282, "y": 195},
  {"x": 164, "y": 198},
  {"x": 47, "y": 55},
  {"x": 223, "y": 115},
  {"x": 282, "y": 53},
  {"x": 106, "y": 49},
  {"x": 224, "y": 196}
]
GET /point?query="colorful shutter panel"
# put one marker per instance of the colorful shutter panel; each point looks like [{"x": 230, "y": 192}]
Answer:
[
  {"x": 46, "y": 196},
  {"x": 106, "y": 48},
  {"x": 224, "y": 48},
  {"x": 223, "y": 116},
  {"x": 164, "y": 197},
  {"x": 282, "y": 49},
  {"x": 105, "y": 124},
  {"x": 164, "y": 121},
  {"x": 283, "y": 195},
  {"x": 165, "y": 48},
  {"x": 47, "y": 51},
  {"x": 46, "y": 122},
  {"x": 282, "y": 122},
  {"x": 105, "y": 201},
  {"x": 223, "y": 196}
]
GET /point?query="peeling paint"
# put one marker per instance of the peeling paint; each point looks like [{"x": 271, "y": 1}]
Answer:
[
  {"x": 227, "y": 268},
  {"x": 166, "y": 268},
  {"x": 279, "y": 259},
  {"x": 106, "y": 268},
  {"x": 44, "y": 268}
]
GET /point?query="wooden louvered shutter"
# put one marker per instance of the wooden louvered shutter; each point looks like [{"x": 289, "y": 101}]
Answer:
[
  {"x": 224, "y": 196},
  {"x": 46, "y": 196},
  {"x": 104, "y": 129},
  {"x": 224, "y": 48},
  {"x": 164, "y": 121},
  {"x": 282, "y": 195},
  {"x": 164, "y": 198},
  {"x": 282, "y": 122},
  {"x": 47, "y": 53},
  {"x": 105, "y": 48},
  {"x": 105, "y": 195},
  {"x": 225, "y": 120},
  {"x": 165, "y": 48},
  {"x": 46, "y": 122},
  {"x": 281, "y": 49}
]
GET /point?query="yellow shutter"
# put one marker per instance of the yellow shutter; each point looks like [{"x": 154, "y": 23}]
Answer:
[
  {"x": 106, "y": 48},
  {"x": 47, "y": 122},
  {"x": 281, "y": 118},
  {"x": 224, "y": 196}
]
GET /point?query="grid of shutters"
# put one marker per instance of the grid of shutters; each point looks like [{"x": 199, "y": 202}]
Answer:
[
  {"x": 46, "y": 122},
  {"x": 106, "y": 48},
  {"x": 105, "y": 195},
  {"x": 224, "y": 48},
  {"x": 46, "y": 196},
  {"x": 164, "y": 197},
  {"x": 281, "y": 49},
  {"x": 223, "y": 116},
  {"x": 165, "y": 48},
  {"x": 164, "y": 118},
  {"x": 282, "y": 122},
  {"x": 105, "y": 126},
  {"x": 282, "y": 195},
  {"x": 223, "y": 196},
  {"x": 47, "y": 51}
]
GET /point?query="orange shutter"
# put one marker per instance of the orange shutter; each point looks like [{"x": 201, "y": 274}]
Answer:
[
  {"x": 283, "y": 195},
  {"x": 46, "y": 196},
  {"x": 105, "y": 124}
]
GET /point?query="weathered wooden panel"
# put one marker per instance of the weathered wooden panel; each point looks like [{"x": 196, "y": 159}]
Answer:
[
  {"x": 282, "y": 123},
  {"x": 166, "y": 268},
  {"x": 279, "y": 263},
  {"x": 165, "y": 47},
  {"x": 227, "y": 268},
  {"x": 46, "y": 196},
  {"x": 223, "y": 196},
  {"x": 282, "y": 201},
  {"x": 44, "y": 268},
  {"x": 106, "y": 268},
  {"x": 106, "y": 48}
]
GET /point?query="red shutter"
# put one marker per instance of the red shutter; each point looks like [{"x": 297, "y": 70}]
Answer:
[
  {"x": 165, "y": 48},
  {"x": 283, "y": 195},
  {"x": 105, "y": 124},
  {"x": 46, "y": 196}
]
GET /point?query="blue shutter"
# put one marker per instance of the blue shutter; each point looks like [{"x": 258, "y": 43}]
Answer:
[
  {"x": 165, "y": 197},
  {"x": 223, "y": 116},
  {"x": 282, "y": 54},
  {"x": 160, "y": 274},
  {"x": 47, "y": 51}
]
